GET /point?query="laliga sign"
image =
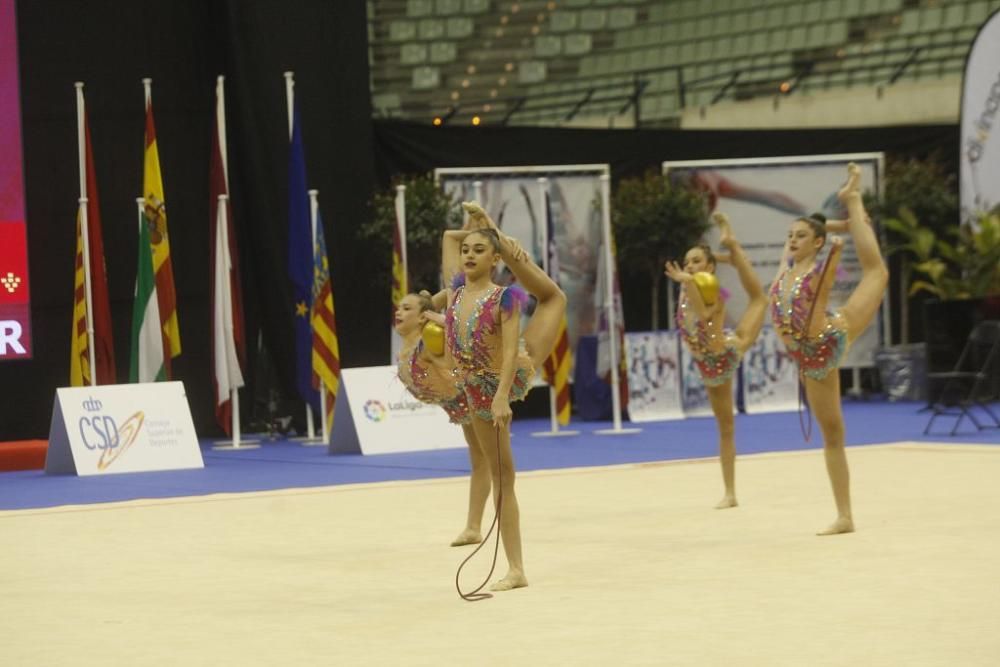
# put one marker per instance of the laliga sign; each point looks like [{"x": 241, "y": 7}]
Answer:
[{"x": 121, "y": 428}]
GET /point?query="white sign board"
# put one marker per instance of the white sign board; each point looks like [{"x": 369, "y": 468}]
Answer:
[
  {"x": 121, "y": 428},
  {"x": 654, "y": 377},
  {"x": 375, "y": 414}
]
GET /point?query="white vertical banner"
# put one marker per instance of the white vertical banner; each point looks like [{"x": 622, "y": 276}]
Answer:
[
  {"x": 654, "y": 376},
  {"x": 979, "y": 175},
  {"x": 762, "y": 197}
]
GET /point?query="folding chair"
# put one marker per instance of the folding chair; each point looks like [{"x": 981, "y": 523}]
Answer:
[{"x": 972, "y": 382}]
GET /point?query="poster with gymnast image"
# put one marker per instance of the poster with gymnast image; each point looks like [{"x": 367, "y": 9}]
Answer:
[
  {"x": 762, "y": 197},
  {"x": 654, "y": 376},
  {"x": 770, "y": 377},
  {"x": 514, "y": 198}
]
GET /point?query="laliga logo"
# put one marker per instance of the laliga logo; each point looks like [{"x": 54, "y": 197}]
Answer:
[
  {"x": 102, "y": 433},
  {"x": 374, "y": 410}
]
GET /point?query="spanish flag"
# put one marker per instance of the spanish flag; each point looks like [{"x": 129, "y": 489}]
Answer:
[{"x": 156, "y": 214}]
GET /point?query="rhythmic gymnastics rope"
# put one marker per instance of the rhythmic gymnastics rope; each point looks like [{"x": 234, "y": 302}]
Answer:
[{"x": 475, "y": 595}]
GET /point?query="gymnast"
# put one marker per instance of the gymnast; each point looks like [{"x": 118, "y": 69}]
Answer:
[
  {"x": 717, "y": 351},
  {"x": 817, "y": 338},
  {"x": 428, "y": 372},
  {"x": 494, "y": 360}
]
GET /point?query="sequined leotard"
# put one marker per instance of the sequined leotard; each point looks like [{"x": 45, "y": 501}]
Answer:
[
  {"x": 791, "y": 300},
  {"x": 717, "y": 360},
  {"x": 430, "y": 383},
  {"x": 476, "y": 347}
]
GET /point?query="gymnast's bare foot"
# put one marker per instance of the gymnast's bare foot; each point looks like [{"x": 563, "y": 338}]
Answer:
[
  {"x": 727, "y": 502},
  {"x": 852, "y": 188},
  {"x": 478, "y": 219},
  {"x": 726, "y": 238},
  {"x": 467, "y": 536},
  {"x": 841, "y": 525},
  {"x": 513, "y": 579}
]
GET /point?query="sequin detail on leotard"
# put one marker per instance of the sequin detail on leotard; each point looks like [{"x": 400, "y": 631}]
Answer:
[
  {"x": 476, "y": 348},
  {"x": 716, "y": 367},
  {"x": 791, "y": 300},
  {"x": 430, "y": 383}
]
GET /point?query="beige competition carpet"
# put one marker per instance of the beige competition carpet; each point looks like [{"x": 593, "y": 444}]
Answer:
[{"x": 629, "y": 565}]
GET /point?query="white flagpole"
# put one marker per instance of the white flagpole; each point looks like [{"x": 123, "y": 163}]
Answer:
[
  {"x": 290, "y": 100},
  {"x": 313, "y": 215},
  {"x": 237, "y": 441},
  {"x": 543, "y": 216},
  {"x": 221, "y": 245},
  {"x": 401, "y": 216},
  {"x": 477, "y": 193},
  {"x": 84, "y": 227},
  {"x": 609, "y": 299}
]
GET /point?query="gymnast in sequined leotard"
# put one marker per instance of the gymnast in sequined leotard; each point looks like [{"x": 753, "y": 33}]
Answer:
[
  {"x": 494, "y": 358},
  {"x": 429, "y": 374},
  {"x": 818, "y": 338},
  {"x": 716, "y": 350}
]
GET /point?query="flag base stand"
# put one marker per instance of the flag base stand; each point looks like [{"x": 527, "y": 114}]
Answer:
[
  {"x": 312, "y": 442},
  {"x": 553, "y": 434},
  {"x": 230, "y": 446},
  {"x": 617, "y": 431}
]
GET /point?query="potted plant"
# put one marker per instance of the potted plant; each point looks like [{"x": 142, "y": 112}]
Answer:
[
  {"x": 655, "y": 220},
  {"x": 429, "y": 211}
]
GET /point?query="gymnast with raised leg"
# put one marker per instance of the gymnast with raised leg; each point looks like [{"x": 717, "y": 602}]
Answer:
[
  {"x": 717, "y": 351},
  {"x": 494, "y": 360},
  {"x": 428, "y": 372},
  {"x": 818, "y": 339}
]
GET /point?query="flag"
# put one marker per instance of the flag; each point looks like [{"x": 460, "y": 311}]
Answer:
[
  {"x": 104, "y": 348},
  {"x": 325, "y": 350},
  {"x": 300, "y": 263},
  {"x": 156, "y": 213},
  {"x": 603, "y": 365},
  {"x": 147, "y": 360},
  {"x": 400, "y": 288},
  {"x": 557, "y": 365},
  {"x": 79, "y": 360},
  {"x": 228, "y": 340}
]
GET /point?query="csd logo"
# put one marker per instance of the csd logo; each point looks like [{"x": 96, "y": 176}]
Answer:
[{"x": 102, "y": 433}]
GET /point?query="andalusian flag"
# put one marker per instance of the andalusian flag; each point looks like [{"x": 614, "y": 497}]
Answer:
[
  {"x": 557, "y": 365},
  {"x": 325, "y": 350},
  {"x": 156, "y": 213},
  {"x": 147, "y": 359}
]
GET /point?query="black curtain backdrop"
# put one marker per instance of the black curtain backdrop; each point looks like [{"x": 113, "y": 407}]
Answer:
[{"x": 183, "y": 45}]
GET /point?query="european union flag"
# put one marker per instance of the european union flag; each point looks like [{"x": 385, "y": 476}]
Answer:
[{"x": 300, "y": 263}]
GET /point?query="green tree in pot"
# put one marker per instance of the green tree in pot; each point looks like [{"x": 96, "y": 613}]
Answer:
[
  {"x": 429, "y": 211},
  {"x": 655, "y": 220},
  {"x": 914, "y": 190}
]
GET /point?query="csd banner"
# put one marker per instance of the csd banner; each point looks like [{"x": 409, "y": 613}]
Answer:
[
  {"x": 375, "y": 414},
  {"x": 121, "y": 428},
  {"x": 980, "y": 158}
]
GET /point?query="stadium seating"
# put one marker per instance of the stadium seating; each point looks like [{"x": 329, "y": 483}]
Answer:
[{"x": 458, "y": 58}]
